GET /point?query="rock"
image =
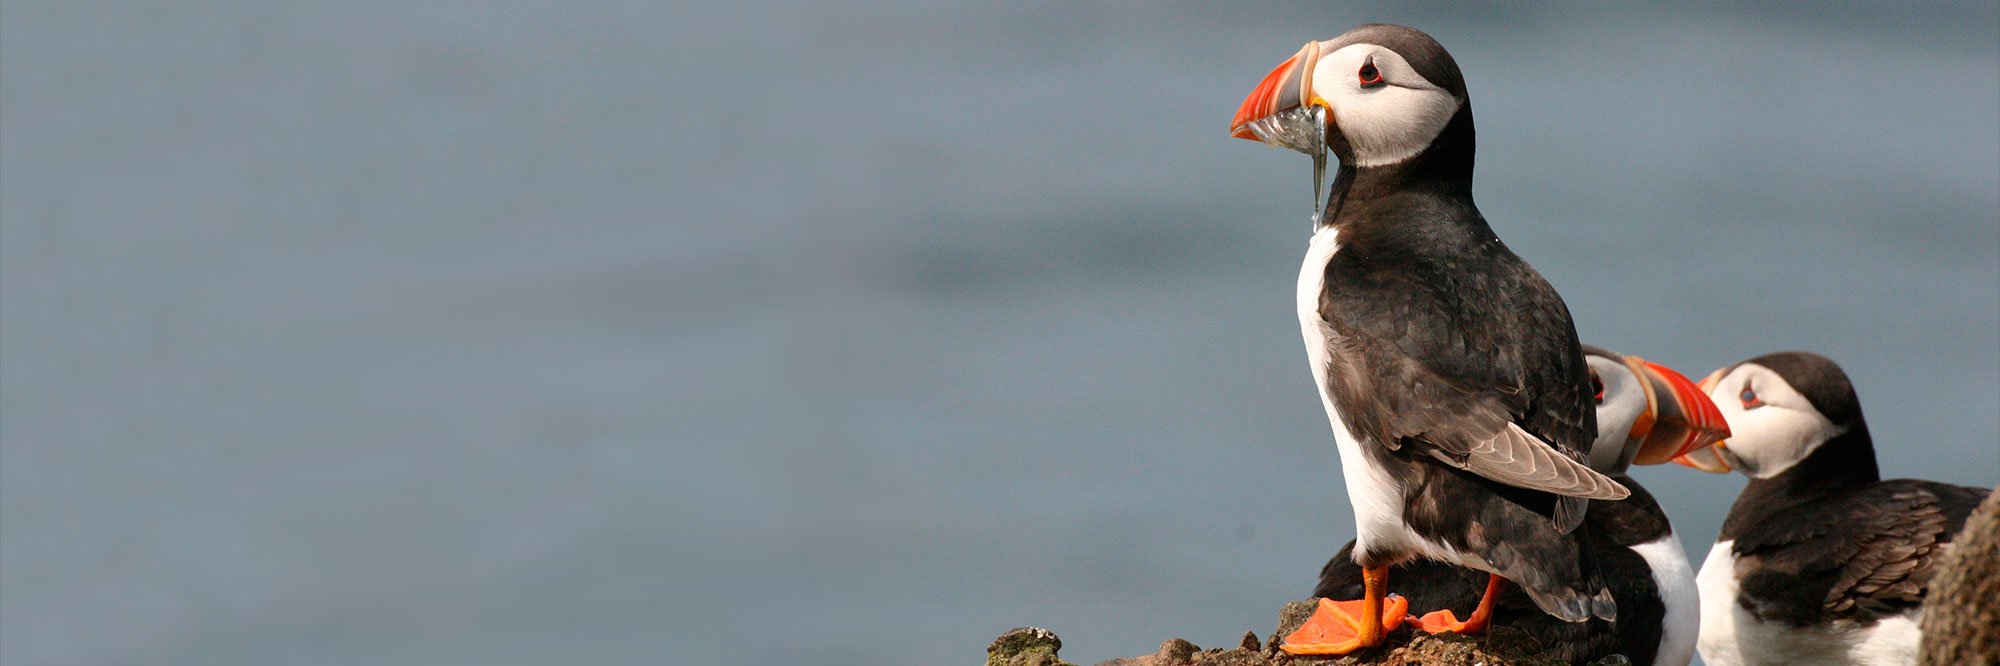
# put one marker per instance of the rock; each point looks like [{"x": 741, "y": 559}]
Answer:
[
  {"x": 1962, "y": 609},
  {"x": 1025, "y": 646},
  {"x": 1290, "y": 618},
  {"x": 1502, "y": 646},
  {"x": 1174, "y": 652}
]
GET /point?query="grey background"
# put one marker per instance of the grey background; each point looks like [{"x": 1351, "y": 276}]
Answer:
[{"x": 787, "y": 332}]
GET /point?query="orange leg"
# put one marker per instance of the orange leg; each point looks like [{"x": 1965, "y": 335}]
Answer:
[
  {"x": 1444, "y": 620},
  {"x": 1373, "y": 582},
  {"x": 1340, "y": 627}
]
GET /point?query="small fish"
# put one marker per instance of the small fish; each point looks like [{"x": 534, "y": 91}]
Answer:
[{"x": 1304, "y": 130}]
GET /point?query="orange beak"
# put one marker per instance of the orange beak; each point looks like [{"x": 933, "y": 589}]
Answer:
[
  {"x": 1280, "y": 90},
  {"x": 1271, "y": 113},
  {"x": 1283, "y": 112},
  {"x": 1683, "y": 419},
  {"x": 1707, "y": 458}
]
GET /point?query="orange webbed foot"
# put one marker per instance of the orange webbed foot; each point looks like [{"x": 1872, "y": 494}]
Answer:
[
  {"x": 1442, "y": 621},
  {"x": 1336, "y": 627},
  {"x": 1445, "y": 621}
]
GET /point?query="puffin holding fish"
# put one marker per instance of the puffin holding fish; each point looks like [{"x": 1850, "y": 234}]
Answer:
[
  {"x": 1646, "y": 414},
  {"x": 1449, "y": 369}
]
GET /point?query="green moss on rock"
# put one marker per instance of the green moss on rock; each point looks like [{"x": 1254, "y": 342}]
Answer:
[{"x": 1025, "y": 646}]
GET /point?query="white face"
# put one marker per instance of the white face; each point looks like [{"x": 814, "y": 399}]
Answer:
[
  {"x": 1388, "y": 112},
  {"x": 1618, "y": 407},
  {"x": 1771, "y": 425}
]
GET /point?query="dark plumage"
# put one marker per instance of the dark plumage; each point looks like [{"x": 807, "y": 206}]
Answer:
[
  {"x": 1630, "y": 540},
  {"x": 1455, "y": 364},
  {"x": 1817, "y": 550},
  {"x": 1858, "y": 556},
  {"x": 1449, "y": 368},
  {"x": 1610, "y": 529},
  {"x": 1446, "y": 339}
]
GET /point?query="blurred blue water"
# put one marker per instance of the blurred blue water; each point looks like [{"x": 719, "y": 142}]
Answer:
[{"x": 787, "y": 332}]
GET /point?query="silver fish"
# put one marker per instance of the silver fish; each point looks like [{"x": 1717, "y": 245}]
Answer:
[{"x": 1304, "y": 130}]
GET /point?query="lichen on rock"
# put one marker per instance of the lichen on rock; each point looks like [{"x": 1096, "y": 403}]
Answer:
[{"x": 1025, "y": 646}]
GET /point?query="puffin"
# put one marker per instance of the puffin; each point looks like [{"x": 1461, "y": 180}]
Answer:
[
  {"x": 1449, "y": 369},
  {"x": 1820, "y": 560},
  {"x": 1648, "y": 414}
]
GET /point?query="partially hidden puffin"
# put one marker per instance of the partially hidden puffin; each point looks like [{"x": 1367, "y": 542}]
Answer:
[
  {"x": 1448, "y": 368},
  {"x": 1646, "y": 413},
  {"x": 1820, "y": 561}
]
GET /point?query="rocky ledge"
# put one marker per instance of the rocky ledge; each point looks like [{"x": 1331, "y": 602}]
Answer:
[{"x": 1031, "y": 646}]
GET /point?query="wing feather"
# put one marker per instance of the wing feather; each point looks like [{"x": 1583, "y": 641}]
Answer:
[
  {"x": 1517, "y": 458},
  {"x": 1864, "y": 555},
  {"x": 1479, "y": 370}
]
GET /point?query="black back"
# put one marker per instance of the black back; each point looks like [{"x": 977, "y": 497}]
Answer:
[
  {"x": 1859, "y": 555},
  {"x": 1449, "y": 335}
]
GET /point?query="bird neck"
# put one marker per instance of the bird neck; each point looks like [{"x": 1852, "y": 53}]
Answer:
[
  {"x": 1442, "y": 173},
  {"x": 1840, "y": 464}
]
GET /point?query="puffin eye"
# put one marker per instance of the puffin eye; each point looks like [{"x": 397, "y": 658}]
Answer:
[
  {"x": 1749, "y": 398},
  {"x": 1369, "y": 75},
  {"x": 1597, "y": 386}
]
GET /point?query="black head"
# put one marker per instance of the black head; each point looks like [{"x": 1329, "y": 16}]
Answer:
[
  {"x": 1424, "y": 54},
  {"x": 1819, "y": 380},
  {"x": 1390, "y": 93},
  {"x": 1782, "y": 408}
]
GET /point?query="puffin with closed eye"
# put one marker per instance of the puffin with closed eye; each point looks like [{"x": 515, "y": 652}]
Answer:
[
  {"x": 1449, "y": 369},
  {"x": 1648, "y": 414},
  {"x": 1820, "y": 560}
]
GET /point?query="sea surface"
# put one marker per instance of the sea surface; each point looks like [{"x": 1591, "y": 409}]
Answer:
[{"x": 784, "y": 332}]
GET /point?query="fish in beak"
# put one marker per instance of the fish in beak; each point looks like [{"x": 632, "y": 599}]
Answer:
[
  {"x": 1283, "y": 111},
  {"x": 1708, "y": 458},
  {"x": 1277, "y": 111},
  {"x": 1679, "y": 417}
]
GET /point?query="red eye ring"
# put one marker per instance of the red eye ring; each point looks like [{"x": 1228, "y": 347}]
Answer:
[
  {"x": 1749, "y": 398},
  {"x": 1369, "y": 74}
]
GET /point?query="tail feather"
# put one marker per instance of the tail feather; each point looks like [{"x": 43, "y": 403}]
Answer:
[
  {"x": 1569, "y": 513},
  {"x": 1572, "y": 598},
  {"x": 1603, "y": 607}
]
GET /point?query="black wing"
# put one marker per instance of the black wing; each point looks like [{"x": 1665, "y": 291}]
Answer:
[
  {"x": 1860, "y": 557},
  {"x": 1480, "y": 370}
]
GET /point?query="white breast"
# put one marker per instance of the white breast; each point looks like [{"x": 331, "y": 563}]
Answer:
[
  {"x": 1674, "y": 578},
  {"x": 1717, "y": 581},
  {"x": 1377, "y": 497},
  {"x": 1892, "y": 641},
  {"x": 1730, "y": 637}
]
